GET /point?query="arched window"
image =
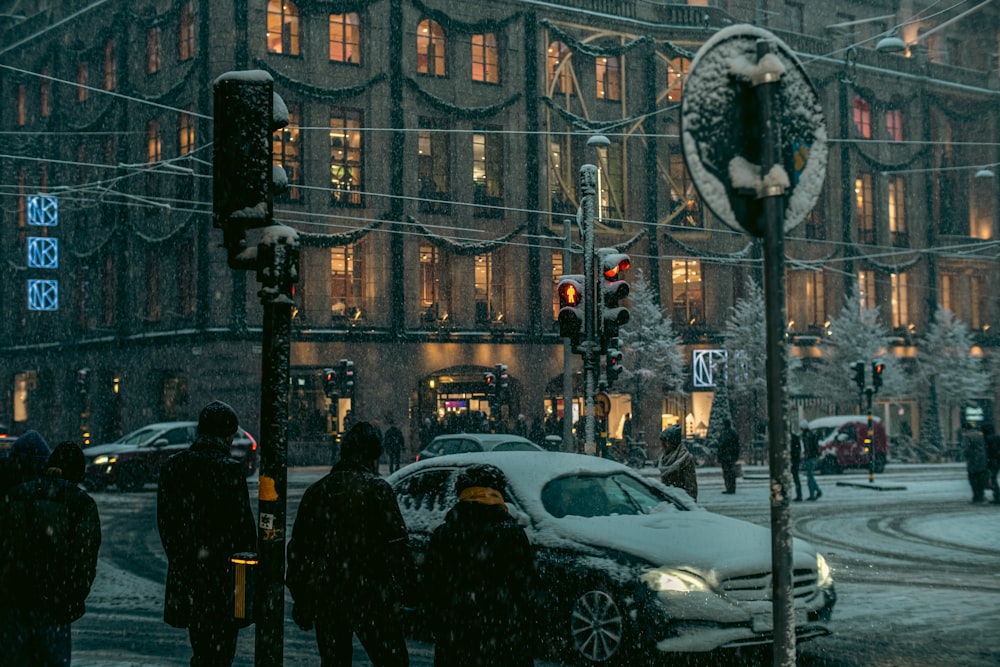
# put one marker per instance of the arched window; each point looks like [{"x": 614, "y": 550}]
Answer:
[
  {"x": 677, "y": 72},
  {"x": 430, "y": 48},
  {"x": 345, "y": 38},
  {"x": 282, "y": 27},
  {"x": 560, "y": 73}
]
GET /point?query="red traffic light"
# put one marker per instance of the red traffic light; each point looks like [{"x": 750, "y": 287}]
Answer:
[{"x": 618, "y": 263}]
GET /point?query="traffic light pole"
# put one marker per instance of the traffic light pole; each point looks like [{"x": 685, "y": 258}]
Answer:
[
  {"x": 871, "y": 436},
  {"x": 588, "y": 195},
  {"x": 765, "y": 82},
  {"x": 567, "y": 433}
]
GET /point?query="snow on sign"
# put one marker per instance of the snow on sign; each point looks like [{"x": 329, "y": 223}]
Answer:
[{"x": 720, "y": 129}]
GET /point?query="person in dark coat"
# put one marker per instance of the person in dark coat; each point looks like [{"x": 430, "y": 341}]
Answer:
[
  {"x": 204, "y": 517},
  {"x": 810, "y": 452},
  {"x": 394, "y": 445},
  {"x": 676, "y": 463},
  {"x": 795, "y": 445},
  {"x": 974, "y": 448},
  {"x": 478, "y": 582},
  {"x": 729, "y": 454},
  {"x": 348, "y": 558},
  {"x": 52, "y": 533},
  {"x": 992, "y": 459}
]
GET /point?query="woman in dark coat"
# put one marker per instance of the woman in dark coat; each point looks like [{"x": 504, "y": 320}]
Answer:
[
  {"x": 676, "y": 463},
  {"x": 478, "y": 584}
]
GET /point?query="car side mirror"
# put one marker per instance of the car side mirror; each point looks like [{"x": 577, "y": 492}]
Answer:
[
  {"x": 841, "y": 437},
  {"x": 162, "y": 442},
  {"x": 519, "y": 516}
]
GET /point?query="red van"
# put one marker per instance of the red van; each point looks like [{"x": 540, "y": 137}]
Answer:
[{"x": 842, "y": 443}]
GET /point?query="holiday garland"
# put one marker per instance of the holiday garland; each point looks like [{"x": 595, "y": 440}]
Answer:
[
  {"x": 454, "y": 25},
  {"x": 335, "y": 6},
  {"x": 585, "y": 123},
  {"x": 593, "y": 50},
  {"x": 318, "y": 92},
  {"x": 310, "y": 240},
  {"x": 464, "y": 248},
  {"x": 735, "y": 257},
  {"x": 462, "y": 113}
]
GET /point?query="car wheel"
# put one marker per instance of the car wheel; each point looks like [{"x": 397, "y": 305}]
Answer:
[
  {"x": 879, "y": 464},
  {"x": 131, "y": 477},
  {"x": 599, "y": 628}
]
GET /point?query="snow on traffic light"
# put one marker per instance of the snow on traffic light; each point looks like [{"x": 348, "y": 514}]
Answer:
[{"x": 571, "y": 308}]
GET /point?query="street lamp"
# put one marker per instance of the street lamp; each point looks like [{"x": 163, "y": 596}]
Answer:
[{"x": 891, "y": 43}]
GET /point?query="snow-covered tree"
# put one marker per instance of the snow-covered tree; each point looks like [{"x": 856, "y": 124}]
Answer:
[
  {"x": 857, "y": 334},
  {"x": 720, "y": 409},
  {"x": 945, "y": 364},
  {"x": 651, "y": 351}
]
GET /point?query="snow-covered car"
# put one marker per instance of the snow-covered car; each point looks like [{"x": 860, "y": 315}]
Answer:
[
  {"x": 626, "y": 567},
  {"x": 136, "y": 458},
  {"x": 462, "y": 443}
]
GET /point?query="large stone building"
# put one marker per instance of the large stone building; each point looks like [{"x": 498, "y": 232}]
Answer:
[{"x": 432, "y": 151}]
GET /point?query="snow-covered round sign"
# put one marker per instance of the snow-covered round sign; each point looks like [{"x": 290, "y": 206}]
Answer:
[{"x": 721, "y": 129}]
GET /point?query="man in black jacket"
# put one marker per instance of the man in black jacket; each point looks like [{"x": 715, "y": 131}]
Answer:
[
  {"x": 347, "y": 557},
  {"x": 729, "y": 454},
  {"x": 479, "y": 572},
  {"x": 204, "y": 517},
  {"x": 52, "y": 533}
]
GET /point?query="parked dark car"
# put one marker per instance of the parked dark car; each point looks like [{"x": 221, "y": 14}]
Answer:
[
  {"x": 463, "y": 443},
  {"x": 627, "y": 568},
  {"x": 135, "y": 459}
]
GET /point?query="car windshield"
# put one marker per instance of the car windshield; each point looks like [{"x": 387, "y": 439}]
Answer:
[
  {"x": 138, "y": 437},
  {"x": 601, "y": 495}
]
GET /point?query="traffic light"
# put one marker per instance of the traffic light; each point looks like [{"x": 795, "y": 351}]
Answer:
[
  {"x": 877, "y": 368},
  {"x": 490, "y": 380},
  {"x": 330, "y": 382},
  {"x": 859, "y": 374},
  {"x": 347, "y": 378},
  {"x": 244, "y": 178},
  {"x": 614, "y": 365},
  {"x": 571, "y": 308},
  {"x": 613, "y": 288},
  {"x": 503, "y": 379}
]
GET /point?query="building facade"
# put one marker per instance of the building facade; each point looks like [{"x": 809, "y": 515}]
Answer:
[{"x": 433, "y": 153}]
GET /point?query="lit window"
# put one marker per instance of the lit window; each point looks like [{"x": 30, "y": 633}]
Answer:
[
  {"x": 282, "y": 27},
  {"x": 110, "y": 66},
  {"x": 433, "y": 165},
  {"x": 185, "y": 46},
  {"x": 488, "y": 286},
  {"x": 487, "y": 173},
  {"x": 429, "y": 282},
  {"x": 44, "y": 95},
  {"x": 345, "y": 38},
  {"x": 485, "y": 58},
  {"x": 900, "y": 300},
  {"x": 82, "y": 81},
  {"x": 286, "y": 149},
  {"x": 806, "y": 300},
  {"x": 866, "y": 290},
  {"x": 685, "y": 204},
  {"x": 154, "y": 51},
  {"x": 894, "y": 124},
  {"x": 612, "y": 177},
  {"x": 186, "y": 133},
  {"x": 677, "y": 72},
  {"x": 609, "y": 84},
  {"x": 863, "y": 209},
  {"x": 559, "y": 69},
  {"x": 862, "y": 117},
  {"x": 430, "y": 48},
  {"x": 689, "y": 299},
  {"x": 154, "y": 144},
  {"x": 345, "y": 157},
  {"x": 346, "y": 281},
  {"x": 22, "y": 105}
]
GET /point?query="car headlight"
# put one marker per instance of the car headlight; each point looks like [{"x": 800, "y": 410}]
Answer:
[
  {"x": 678, "y": 581},
  {"x": 824, "y": 576},
  {"x": 103, "y": 459}
]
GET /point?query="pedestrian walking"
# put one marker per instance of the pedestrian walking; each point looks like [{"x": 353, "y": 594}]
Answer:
[
  {"x": 795, "y": 456},
  {"x": 51, "y": 534},
  {"x": 810, "y": 452},
  {"x": 479, "y": 583},
  {"x": 974, "y": 448},
  {"x": 204, "y": 517},
  {"x": 729, "y": 454},
  {"x": 394, "y": 445},
  {"x": 348, "y": 558},
  {"x": 992, "y": 441},
  {"x": 27, "y": 460},
  {"x": 676, "y": 463}
]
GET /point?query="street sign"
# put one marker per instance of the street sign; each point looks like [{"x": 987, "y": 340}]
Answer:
[
  {"x": 602, "y": 405},
  {"x": 721, "y": 129}
]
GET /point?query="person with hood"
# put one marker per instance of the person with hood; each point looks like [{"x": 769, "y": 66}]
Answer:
[
  {"x": 478, "y": 581},
  {"x": 795, "y": 445},
  {"x": 52, "y": 533},
  {"x": 810, "y": 453},
  {"x": 676, "y": 463},
  {"x": 27, "y": 460},
  {"x": 348, "y": 557},
  {"x": 204, "y": 517}
]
